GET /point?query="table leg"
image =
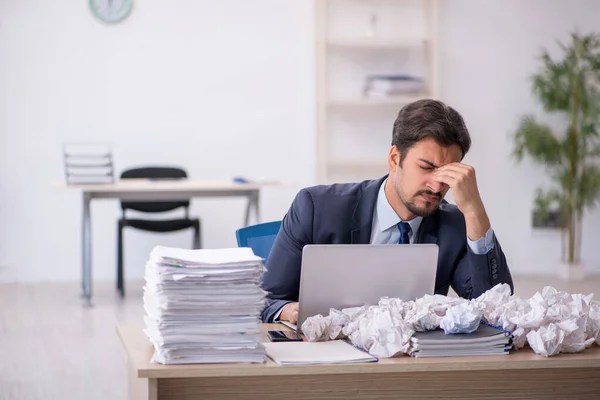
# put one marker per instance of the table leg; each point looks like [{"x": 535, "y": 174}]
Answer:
[
  {"x": 253, "y": 199},
  {"x": 86, "y": 251},
  {"x": 257, "y": 206},
  {"x": 141, "y": 388},
  {"x": 248, "y": 207}
]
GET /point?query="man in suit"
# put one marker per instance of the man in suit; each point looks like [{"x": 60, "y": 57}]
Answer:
[{"x": 429, "y": 141}]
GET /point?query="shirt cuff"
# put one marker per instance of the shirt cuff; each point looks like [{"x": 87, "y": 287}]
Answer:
[
  {"x": 483, "y": 245},
  {"x": 278, "y": 313}
]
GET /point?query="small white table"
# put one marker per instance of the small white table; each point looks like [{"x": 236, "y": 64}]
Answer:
[{"x": 154, "y": 190}]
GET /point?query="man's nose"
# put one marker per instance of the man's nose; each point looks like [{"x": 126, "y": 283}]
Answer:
[{"x": 436, "y": 187}]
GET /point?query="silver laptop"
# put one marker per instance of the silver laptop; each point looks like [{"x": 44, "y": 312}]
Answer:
[{"x": 350, "y": 275}]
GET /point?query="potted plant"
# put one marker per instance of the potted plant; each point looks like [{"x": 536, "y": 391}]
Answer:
[{"x": 569, "y": 86}]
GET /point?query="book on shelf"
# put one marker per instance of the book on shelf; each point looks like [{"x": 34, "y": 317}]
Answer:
[{"x": 383, "y": 86}]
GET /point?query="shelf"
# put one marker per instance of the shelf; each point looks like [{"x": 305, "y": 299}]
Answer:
[
  {"x": 368, "y": 102},
  {"x": 404, "y": 41},
  {"x": 376, "y": 43}
]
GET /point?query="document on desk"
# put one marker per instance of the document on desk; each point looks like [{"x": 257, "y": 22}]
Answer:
[
  {"x": 305, "y": 353},
  {"x": 289, "y": 325},
  {"x": 203, "y": 306}
]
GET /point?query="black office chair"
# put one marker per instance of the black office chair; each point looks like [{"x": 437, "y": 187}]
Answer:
[{"x": 172, "y": 225}]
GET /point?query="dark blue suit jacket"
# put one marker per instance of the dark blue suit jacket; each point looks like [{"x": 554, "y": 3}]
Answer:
[{"x": 343, "y": 214}]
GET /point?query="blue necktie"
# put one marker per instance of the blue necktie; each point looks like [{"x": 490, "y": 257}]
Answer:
[{"x": 404, "y": 229}]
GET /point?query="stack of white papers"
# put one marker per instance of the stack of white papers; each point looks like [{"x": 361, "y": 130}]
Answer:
[{"x": 203, "y": 306}]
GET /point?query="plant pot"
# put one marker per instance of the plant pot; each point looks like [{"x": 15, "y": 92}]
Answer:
[{"x": 571, "y": 272}]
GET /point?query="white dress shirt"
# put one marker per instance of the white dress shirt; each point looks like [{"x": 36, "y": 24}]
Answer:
[{"x": 384, "y": 229}]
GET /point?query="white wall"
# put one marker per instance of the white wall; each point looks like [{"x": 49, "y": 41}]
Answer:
[
  {"x": 488, "y": 52},
  {"x": 179, "y": 79},
  {"x": 224, "y": 88}
]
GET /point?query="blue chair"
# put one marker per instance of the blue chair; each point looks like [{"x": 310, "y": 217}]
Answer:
[{"x": 258, "y": 237}]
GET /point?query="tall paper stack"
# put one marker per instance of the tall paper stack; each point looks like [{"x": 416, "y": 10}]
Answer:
[{"x": 203, "y": 306}]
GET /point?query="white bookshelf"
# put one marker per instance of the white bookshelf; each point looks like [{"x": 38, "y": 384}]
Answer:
[
  {"x": 365, "y": 102},
  {"x": 353, "y": 130},
  {"x": 374, "y": 43}
]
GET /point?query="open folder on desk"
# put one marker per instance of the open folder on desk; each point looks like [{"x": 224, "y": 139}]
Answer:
[{"x": 303, "y": 353}]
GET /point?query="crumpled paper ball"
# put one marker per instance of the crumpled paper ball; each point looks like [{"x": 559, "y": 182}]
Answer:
[
  {"x": 461, "y": 318},
  {"x": 520, "y": 317},
  {"x": 320, "y": 328},
  {"x": 380, "y": 332},
  {"x": 426, "y": 312},
  {"x": 551, "y": 321},
  {"x": 546, "y": 340},
  {"x": 491, "y": 302},
  {"x": 592, "y": 329}
]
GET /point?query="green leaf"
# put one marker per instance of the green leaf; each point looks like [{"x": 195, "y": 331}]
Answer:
[
  {"x": 588, "y": 187},
  {"x": 538, "y": 141},
  {"x": 552, "y": 86}
]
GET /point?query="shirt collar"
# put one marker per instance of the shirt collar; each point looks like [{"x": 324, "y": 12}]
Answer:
[{"x": 387, "y": 217}]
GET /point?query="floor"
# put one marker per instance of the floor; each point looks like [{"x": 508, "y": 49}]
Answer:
[{"x": 53, "y": 348}]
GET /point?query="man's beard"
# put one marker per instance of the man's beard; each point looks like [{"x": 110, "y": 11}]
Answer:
[{"x": 412, "y": 207}]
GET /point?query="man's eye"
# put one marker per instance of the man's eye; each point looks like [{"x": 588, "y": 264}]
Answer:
[{"x": 426, "y": 168}]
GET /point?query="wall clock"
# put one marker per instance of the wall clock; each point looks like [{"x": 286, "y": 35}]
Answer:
[{"x": 111, "y": 11}]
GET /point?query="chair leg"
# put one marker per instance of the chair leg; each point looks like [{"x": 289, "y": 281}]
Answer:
[
  {"x": 120, "y": 283},
  {"x": 197, "y": 239}
]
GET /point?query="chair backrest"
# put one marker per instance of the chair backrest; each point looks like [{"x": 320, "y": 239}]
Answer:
[
  {"x": 259, "y": 237},
  {"x": 159, "y": 173}
]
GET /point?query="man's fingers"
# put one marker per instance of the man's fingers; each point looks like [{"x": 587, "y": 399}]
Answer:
[
  {"x": 453, "y": 168},
  {"x": 290, "y": 312},
  {"x": 294, "y": 313},
  {"x": 459, "y": 168},
  {"x": 294, "y": 317},
  {"x": 451, "y": 174},
  {"x": 445, "y": 177}
]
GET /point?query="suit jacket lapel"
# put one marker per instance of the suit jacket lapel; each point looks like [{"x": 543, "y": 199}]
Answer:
[
  {"x": 363, "y": 213},
  {"x": 428, "y": 231}
]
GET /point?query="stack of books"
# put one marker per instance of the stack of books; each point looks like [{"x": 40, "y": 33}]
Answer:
[
  {"x": 486, "y": 340},
  {"x": 203, "y": 306},
  {"x": 386, "y": 86}
]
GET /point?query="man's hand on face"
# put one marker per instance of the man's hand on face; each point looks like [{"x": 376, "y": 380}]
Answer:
[
  {"x": 290, "y": 313},
  {"x": 461, "y": 179}
]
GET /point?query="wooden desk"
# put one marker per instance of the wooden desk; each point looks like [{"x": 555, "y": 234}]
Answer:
[
  {"x": 154, "y": 190},
  {"x": 520, "y": 375}
]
